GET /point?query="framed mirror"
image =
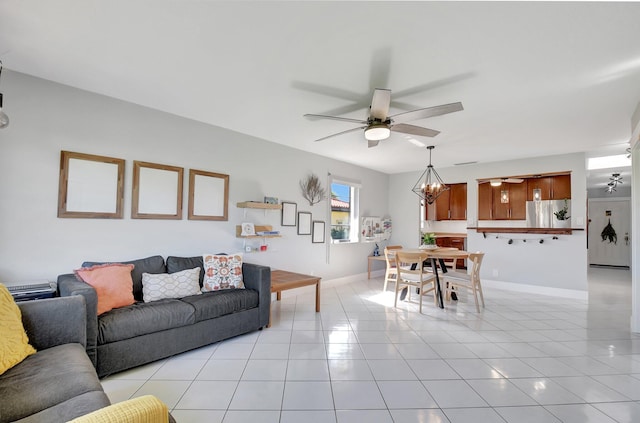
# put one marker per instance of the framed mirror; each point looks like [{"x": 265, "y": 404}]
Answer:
[
  {"x": 90, "y": 186},
  {"x": 157, "y": 191},
  {"x": 208, "y": 195}
]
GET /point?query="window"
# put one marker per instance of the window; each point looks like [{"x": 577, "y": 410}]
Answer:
[{"x": 344, "y": 210}]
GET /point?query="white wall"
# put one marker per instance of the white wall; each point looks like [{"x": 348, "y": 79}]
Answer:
[
  {"x": 560, "y": 264},
  {"x": 47, "y": 118}
]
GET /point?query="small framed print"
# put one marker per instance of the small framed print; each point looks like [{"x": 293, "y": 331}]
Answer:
[
  {"x": 271, "y": 200},
  {"x": 318, "y": 232},
  {"x": 248, "y": 229},
  {"x": 289, "y": 211},
  {"x": 304, "y": 223}
]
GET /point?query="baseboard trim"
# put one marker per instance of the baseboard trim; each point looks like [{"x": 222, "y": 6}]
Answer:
[{"x": 535, "y": 289}]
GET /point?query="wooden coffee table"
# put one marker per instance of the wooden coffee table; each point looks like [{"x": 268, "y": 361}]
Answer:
[{"x": 281, "y": 280}]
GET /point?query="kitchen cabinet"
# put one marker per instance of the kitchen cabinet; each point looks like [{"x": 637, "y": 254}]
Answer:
[
  {"x": 561, "y": 187},
  {"x": 492, "y": 207},
  {"x": 485, "y": 201},
  {"x": 455, "y": 242},
  {"x": 557, "y": 187},
  {"x": 451, "y": 204}
]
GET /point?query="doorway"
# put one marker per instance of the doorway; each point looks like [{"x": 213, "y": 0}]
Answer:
[{"x": 609, "y": 236}]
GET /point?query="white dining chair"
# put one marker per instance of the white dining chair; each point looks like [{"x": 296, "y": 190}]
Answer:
[{"x": 471, "y": 281}]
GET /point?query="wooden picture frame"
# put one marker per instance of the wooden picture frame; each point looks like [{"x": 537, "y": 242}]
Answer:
[
  {"x": 289, "y": 212},
  {"x": 318, "y": 232},
  {"x": 208, "y": 195},
  {"x": 90, "y": 186},
  {"x": 157, "y": 191},
  {"x": 304, "y": 223}
]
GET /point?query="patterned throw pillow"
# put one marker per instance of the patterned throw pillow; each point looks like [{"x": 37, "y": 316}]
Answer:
[
  {"x": 112, "y": 282},
  {"x": 222, "y": 271},
  {"x": 14, "y": 346},
  {"x": 170, "y": 285}
]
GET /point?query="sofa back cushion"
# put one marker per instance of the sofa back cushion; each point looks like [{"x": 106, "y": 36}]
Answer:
[
  {"x": 178, "y": 264},
  {"x": 153, "y": 264}
]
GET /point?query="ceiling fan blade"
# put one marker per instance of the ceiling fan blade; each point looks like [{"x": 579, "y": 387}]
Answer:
[
  {"x": 513, "y": 180},
  {"x": 380, "y": 104},
  {"x": 427, "y": 112},
  {"x": 327, "y": 91},
  {"x": 340, "y": 133},
  {"x": 312, "y": 116},
  {"x": 434, "y": 84},
  {"x": 380, "y": 67},
  {"x": 373, "y": 143},
  {"x": 405, "y": 128}
]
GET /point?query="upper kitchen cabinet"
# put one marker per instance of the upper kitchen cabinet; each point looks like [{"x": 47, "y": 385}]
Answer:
[
  {"x": 552, "y": 187},
  {"x": 560, "y": 187},
  {"x": 508, "y": 200},
  {"x": 451, "y": 204}
]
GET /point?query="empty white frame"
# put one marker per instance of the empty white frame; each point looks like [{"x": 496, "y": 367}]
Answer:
[
  {"x": 318, "y": 232},
  {"x": 289, "y": 211},
  {"x": 304, "y": 223},
  {"x": 157, "y": 191},
  {"x": 90, "y": 186},
  {"x": 208, "y": 195}
]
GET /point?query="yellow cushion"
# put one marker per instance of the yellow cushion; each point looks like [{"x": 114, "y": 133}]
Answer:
[
  {"x": 145, "y": 409},
  {"x": 15, "y": 344}
]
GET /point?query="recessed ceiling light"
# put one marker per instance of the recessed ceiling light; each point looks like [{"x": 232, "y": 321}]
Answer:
[{"x": 619, "y": 160}]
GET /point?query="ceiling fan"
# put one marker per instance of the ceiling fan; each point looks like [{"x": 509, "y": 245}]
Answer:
[{"x": 379, "y": 125}]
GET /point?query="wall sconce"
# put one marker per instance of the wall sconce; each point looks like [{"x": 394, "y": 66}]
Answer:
[
  {"x": 504, "y": 196},
  {"x": 537, "y": 194}
]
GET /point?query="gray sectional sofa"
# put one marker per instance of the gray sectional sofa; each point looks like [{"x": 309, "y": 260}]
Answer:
[
  {"x": 130, "y": 336},
  {"x": 58, "y": 383}
]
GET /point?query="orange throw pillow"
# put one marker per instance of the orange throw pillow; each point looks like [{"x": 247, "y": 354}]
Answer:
[{"x": 112, "y": 282}]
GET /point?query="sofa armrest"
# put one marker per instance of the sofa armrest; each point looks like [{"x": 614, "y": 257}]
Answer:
[
  {"x": 69, "y": 285},
  {"x": 258, "y": 277},
  {"x": 54, "y": 321}
]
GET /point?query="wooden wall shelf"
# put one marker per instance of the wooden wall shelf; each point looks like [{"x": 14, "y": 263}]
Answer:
[
  {"x": 258, "y": 228},
  {"x": 550, "y": 231},
  {"x": 257, "y": 205}
]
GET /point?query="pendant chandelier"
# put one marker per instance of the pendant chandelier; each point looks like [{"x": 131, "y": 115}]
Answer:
[{"x": 429, "y": 185}]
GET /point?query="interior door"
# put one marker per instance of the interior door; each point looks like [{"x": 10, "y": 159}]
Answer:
[{"x": 618, "y": 212}]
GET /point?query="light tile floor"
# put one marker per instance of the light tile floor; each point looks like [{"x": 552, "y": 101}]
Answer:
[{"x": 524, "y": 358}]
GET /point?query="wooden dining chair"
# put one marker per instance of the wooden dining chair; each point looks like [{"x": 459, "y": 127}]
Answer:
[
  {"x": 471, "y": 281},
  {"x": 390, "y": 257},
  {"x": 410, "y": 273}
]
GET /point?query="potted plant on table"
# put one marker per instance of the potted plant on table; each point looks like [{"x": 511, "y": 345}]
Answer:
[
  {"x": 429, "y": 240},
  {"x": 562, "y": 216}
]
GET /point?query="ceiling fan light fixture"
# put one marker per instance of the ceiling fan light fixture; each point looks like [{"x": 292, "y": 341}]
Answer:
[
  {"x": 495, "y": 182},
  {"x": 430, "y": 185},
  {"x": 377, "y": 132}
]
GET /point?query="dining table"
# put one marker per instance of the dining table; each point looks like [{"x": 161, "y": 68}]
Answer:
[{"x": 436, "y": 257}]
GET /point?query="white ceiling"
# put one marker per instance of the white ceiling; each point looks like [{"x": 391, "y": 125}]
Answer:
[{"x": 535, "y": 79}]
